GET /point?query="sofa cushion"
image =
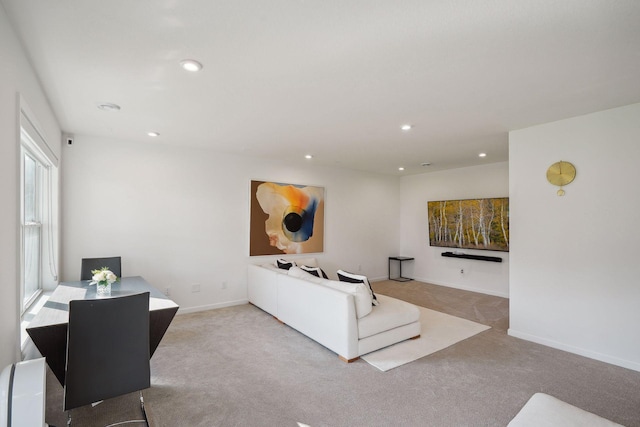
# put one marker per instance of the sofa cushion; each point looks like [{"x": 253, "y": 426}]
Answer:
[
  {"x": 300, "y": 273},
  {"x": 390, "y": 314},
  {"x": 345, "y": 276},
  {"x": 316, "y": 271},
  {"x": 309, "y": 262},
  {"x": 271, "y": 266},
  {"x": 284, "y": 264},
  {"x": 360, "y": 292}
]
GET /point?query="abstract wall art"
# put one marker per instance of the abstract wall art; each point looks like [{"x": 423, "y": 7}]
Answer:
[
  {"x": 286, "y": 219},
  {"x": 470, "y": 224}
]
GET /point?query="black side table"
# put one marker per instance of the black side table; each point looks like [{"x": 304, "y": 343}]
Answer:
[{"x": 400, "y": 259}]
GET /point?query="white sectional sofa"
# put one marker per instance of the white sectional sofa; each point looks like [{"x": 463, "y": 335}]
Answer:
[{"x": 338, "y": 315}]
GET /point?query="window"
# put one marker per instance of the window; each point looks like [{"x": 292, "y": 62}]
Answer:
[
  {"x": 38, "y": 216},
  {"x": 33, "y": 172}
]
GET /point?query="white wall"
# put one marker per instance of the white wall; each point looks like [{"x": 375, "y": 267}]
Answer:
[
  {"x": 575, "y": 259},
  {"x": 491, "y": 180},
  {"x": 16, "y": 76},
  {"x": 180, "y": 216}
]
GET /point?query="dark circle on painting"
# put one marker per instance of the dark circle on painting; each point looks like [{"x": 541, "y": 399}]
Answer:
[{"x": 292, "y": 222}]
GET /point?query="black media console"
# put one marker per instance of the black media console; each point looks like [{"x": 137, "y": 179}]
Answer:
[{"x": 467, "y": 256}]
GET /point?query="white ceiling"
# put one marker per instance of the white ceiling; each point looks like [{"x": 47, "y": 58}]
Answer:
[{"x": 334, "y": 78}]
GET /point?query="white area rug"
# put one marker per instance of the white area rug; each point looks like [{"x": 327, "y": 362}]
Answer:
[
  {"x": 543, "y": 410},
  {"x": 439, "y": 330}
]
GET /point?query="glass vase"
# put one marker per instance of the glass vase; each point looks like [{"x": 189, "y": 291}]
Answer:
[{"x": 103, "y": 290}]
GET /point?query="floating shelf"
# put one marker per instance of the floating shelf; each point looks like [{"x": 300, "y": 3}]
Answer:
[{"x": 477, "y": 257}]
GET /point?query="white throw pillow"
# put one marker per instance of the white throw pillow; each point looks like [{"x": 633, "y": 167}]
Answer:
[
  {"x": 360, "y": 293},
  {"x": 316, "y": 271},
  {"x": 345, "y": 276},
  {"x": 299, "y": 273}
]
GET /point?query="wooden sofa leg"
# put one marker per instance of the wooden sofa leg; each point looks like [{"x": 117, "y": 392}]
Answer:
[
  {"x": 415, "y": 338},
  {"x": 344, "y": 359}
]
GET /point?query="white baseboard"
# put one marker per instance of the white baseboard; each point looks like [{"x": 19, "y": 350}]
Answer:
[
  {"x": 211, "y": 306},
  {"x": 575, "y": 350},
  {"x": 449, "y": 285},
  {"x": 464, "y": 288}
]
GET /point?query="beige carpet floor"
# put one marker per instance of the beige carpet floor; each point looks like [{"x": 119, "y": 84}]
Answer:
[{"x": 238, "y": 366}]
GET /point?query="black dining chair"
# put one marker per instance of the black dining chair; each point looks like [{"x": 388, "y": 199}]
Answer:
[
  {"x": 90, "y": 264},
  {"x": 107, "y": 350}
]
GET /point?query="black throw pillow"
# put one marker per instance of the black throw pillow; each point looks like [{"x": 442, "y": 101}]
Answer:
[{"x": 284, "y": 264}]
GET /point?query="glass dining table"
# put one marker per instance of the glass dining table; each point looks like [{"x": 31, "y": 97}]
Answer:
[{"x": 48, "y": 329}]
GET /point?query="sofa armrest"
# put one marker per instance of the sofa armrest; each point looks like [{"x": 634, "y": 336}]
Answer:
[
  {"x": 325, "y": 315},
  {"x": 262, "y": 290}
]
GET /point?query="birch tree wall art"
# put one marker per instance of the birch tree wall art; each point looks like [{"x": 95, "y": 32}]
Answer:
[{"x": 470, "y": 224}]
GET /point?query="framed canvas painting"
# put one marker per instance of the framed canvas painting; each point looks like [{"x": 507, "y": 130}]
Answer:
[
  {"x": 470, "y": 224},
  {"x": 286, "y": 218}
]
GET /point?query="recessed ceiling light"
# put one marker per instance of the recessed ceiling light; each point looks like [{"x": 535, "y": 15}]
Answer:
[
  {"x": 406, "y": 127},
  {"x": 482, "y": 155},
  {"x": 154, "y": 134},
  {"x": 400, "y": 168},
  {"x": 191, "y": 65},
  {"x": 308, "y": 156},
  {"x": 108, "y": 106}
]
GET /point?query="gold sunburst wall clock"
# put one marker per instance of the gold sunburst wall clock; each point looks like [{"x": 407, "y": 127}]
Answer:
[{"x": 561, "y": 173}]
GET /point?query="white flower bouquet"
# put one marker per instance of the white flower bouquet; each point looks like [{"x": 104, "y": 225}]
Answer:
[{"x": 103, "y": 277}]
